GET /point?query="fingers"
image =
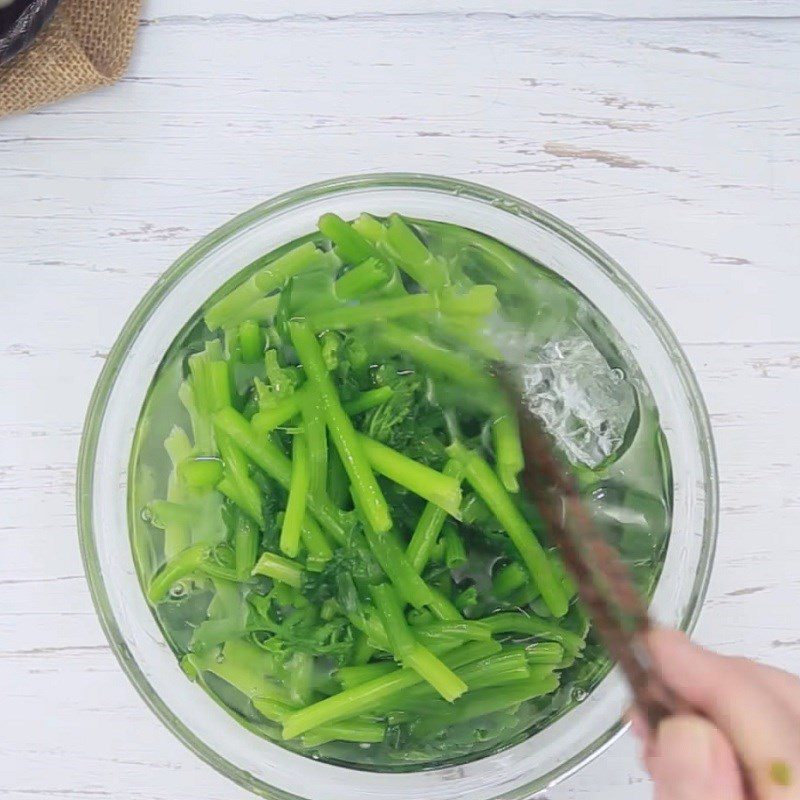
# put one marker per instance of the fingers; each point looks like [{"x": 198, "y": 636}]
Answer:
[
  {"x": 784, "y": 686},
  {"x": 691, "y": 760},
  {"x": 748, "y": 706}
]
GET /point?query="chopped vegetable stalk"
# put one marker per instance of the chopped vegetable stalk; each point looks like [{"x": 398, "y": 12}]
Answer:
[
  {"x": 280, "y": 569},
  {"x": 408, "y": 650},
  {"x": 549, "y": 653},
  {"x": 202, "y": 472},
  {"x": 459, "y": 368},
  {"x": 247, "y": 502},
  {"x": 330, "y": 609},
  {"x": 507, "y": 450},
  {"x": 296, "y": 504},
  {"x": 299, "y": 677},
  {"x": 301, "y": 259},
  {"x": 164, "y": 513},
  {"x": 183, "y": 565},
  {"x": 268, "y": 419},
  {"x": 410, "y": 305},
  {"x": 251, "y": 341},
  {"x": 262, "y": 310},
  {"x": 281, "y": 380},
  {"x": 247, "y": 668},
  {"x": 318, "y": 549},
  {"x": 463, "y": 333},
  {"x": 330, "y": 343},
  {"x": 219, "y": 385},
  {"x": 413, "y": 257},
  {"x": 430, "y": 523},
  {"x": 511, "y": 622},
  {"x": 177, "y": 536},
  {"x": 441, "y": 677},
  {"x": 368, "y": 276},
  {"x": 508, "y": 579},
  {"x": 372, "y": 398},
  {"x": 376, "y": 693},
  {"x": 214, "y": 569},
  {"x": 177, "y": 445},
  {"x": 370, "y": 228},
  {"x": 488, "y": 701},
  {"x": 261, "y": 451},
  {"x": 237, "y": 483},
  {"x": 350, "y": 245},
  {"x": 466, "y": 599},
  {"x": 265, "y": 280},
  {"x": 338, "y": 482},
  {"x": 316, "y": 439},
  {"x": 213, "y": 632},
  {"x": 496, "y": 670},
  {"x": 447, "y": 631},
  {"x": 409, "y": 585},
  {"x": 455, "y": 554},
  {"x": 355, "y": 730},
  {"x": 482, "y": 478},
  {"x": 478, "y": 301},
  {"x": 441, "y": 605},
  {"x": 438, "y": 636},
  {"x": 349, "y": 677},
  {"x": 246, "y": 541},
  {"x": 362, "y": 649},
  {"x": 362, "y": 479},
  {"x": 202, "y": 428},
  {"x": 269, "y": 458},
  {"x": 274, "y": 709},
  {"x": 206, "y": 390},
  {"x": 436, "y": 487},
  {"x": 235, "y": 462}
]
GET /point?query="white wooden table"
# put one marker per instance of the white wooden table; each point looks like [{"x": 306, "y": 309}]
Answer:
[{"x": 669, "y": 132}]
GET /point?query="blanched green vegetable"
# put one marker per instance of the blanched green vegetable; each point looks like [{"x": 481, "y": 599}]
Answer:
[
  {"x": 362, "y": 479},
  {"x": 296, "y": 503},
  {"x": 488, "y": 486},
  {"x": 337, "y": 549}
]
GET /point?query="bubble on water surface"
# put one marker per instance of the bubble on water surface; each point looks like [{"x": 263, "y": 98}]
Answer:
[{"x": 178, "y": 590}]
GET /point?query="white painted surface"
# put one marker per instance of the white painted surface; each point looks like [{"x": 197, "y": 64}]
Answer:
[{"x": 669, "y": 132}]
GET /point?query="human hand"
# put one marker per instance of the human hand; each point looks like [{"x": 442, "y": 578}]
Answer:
[{"x": 748, "y": 719}]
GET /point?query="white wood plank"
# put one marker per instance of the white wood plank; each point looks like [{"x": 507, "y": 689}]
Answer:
[
  {"x": 666, "y": 131},
  {"x": 607, "y": 11}
]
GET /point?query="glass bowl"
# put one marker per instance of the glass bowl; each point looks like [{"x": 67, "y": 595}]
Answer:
[{"x": 267, "y": 769}]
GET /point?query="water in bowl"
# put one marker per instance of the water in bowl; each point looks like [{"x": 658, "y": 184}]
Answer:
[{"x": 584, "y": 384}]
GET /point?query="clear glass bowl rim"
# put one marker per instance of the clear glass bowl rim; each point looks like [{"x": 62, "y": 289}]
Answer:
[{"x": 280, "y": 204}]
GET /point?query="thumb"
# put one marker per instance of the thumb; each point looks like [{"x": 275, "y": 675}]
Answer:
[{"x": 691, "y": 760}]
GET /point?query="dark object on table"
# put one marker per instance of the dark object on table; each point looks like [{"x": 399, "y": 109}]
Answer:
[
  {"x": 20, "y": 23},
  {"x": 604, "y": 583}
]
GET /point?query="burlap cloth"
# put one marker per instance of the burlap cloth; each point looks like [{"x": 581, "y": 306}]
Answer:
[{"x": 87, "y": 44}]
